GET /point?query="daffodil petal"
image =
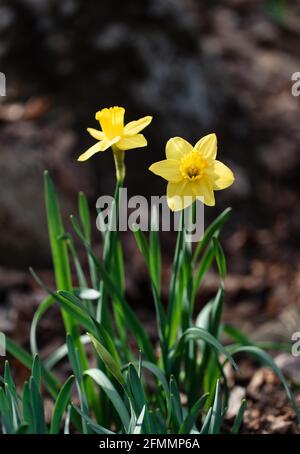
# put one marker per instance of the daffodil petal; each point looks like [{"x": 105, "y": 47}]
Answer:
[
  {"x": 99, "y": 146},
  {"x": 223, "y": 176},
  {"x": 169, "y": 169},
  {"x": 177, "y": 147},
  {"x": 106, "y": 143},
  {"x": 204, "y": 190},
  {"x": 134, "y": 127},
  {"x": 180, "y": 195},
  {"x": 90, "y": 152},
  {"x": 208, "y": 146},
  {"x": 129, "y": 142},
  {"x": 98, "y": 135}
]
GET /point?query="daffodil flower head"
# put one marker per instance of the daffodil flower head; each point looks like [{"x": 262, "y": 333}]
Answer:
[
  {"x": 116, "y": 135},
  {"x": 192, "y": 172}
]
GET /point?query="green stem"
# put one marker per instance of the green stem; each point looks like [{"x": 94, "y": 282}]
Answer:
[{"x": 119, "y": 158}]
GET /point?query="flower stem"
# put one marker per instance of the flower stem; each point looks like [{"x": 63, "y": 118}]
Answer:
[{"x": 119, "y": 156}]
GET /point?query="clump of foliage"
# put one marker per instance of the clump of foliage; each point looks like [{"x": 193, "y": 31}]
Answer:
[{"x": 188, "y": 392}]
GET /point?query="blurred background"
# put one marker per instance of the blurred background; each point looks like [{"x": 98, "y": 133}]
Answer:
[{"x": 197, "y": 66}]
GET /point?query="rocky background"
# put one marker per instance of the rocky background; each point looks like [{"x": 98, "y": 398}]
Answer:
[{"x": 197, "y": 67}]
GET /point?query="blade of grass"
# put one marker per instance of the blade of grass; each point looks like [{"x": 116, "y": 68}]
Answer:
[
  {"x": 192, "y": 415},
  {"x": 176, "y": 409},
  {"x": 84, "y": 214},
  {"x": 216, "y": 416},
  {"x": 41, "y": 310},
  {"x": 37, "y": 407},
  {"x": 220, "y": 258},
  {"x": 108, "y": 360},
  {"x": 266, "y": 360},
  {"x": 201, "y": 334},
  {"x": 239, "y": 417},
  {"x": 205, "y": 427},
  {"x": 58, "y": 247},
  {"x": 61, "y": 404},
  {"x": 92, "y": 424},
  {"x": 25, "y": 358},
  {"x": 103, "y": 381},
  {"x": 129, "y": 315},
  {"x": 215, "y": 226}
]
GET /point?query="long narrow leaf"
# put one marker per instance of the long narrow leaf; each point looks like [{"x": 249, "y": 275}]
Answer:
[{"x": 61, "y": 404}]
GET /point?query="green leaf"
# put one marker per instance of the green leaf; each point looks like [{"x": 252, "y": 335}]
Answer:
[
  {"x": 220, "y": 258},
  {"x": 84, "y": 214},
  {"x": 103, "y": 381},
  {"x": 37, "y": 370},
  {"x": 142, "y": 244},
  {"x": 28, "y": 414},
  {"x": 79, "y": 271},
  {"x": 239, "y": 417},
  {"x": 216, "y": 313},
  {"x": 8, "y": 379},
  {"x": 237, "y": 335},
  {"x": 206, "y": 423},
  {"x": 129, "y": 316},
  {"x": 118, "y": 265},
  {"x": 108, "y": 360},
  {"x": 67, "y": 420},
  {"x": 177, "y": 417},
  {"x": 43, "y": 307},
  {"x": 158, "y": 374},
  {"x": 201, "y": 334},
  {"x": 61, "y": 404},
  {"x": 108, "y": 342},
  {"x": 22, "y": 429},
  {"x": 61, "y": 352},
  {"x": 154, "y": 252},
  {"x": 37, "y": 407},
  {"x": 152, "y": 257},
  {"x": 204, "y": 266},
  {"x": 216, "y": 416},
  {"x": 26, "y": 359},
  {"x": 266, "y": 360},
  {"x": 76, "y": 310},
  {"x": 6, "y": 412},
  {"x": 174, "y": 309},
  {"x": 137, "y": 394},
  {"x": 94, "y": 426},
  {"x": 58, "y": 247},
  {"x": 192, "y": 415},
  {"x": 139, "y": 422},
  {"x": 73, "y": 358},
  {"x": 214, "y": 227},
  {"x": 162, "y": 381},
  {"x": 78, "y": 372},
  {"x": 56, "y": 229}
]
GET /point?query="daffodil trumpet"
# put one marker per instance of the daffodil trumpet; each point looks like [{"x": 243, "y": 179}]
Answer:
[{"x": 116, "y": 135}]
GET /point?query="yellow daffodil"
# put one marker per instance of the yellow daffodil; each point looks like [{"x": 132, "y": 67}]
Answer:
[
  {"x": 116, "y": 135},
  {"x": 192, "y": 172}
]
